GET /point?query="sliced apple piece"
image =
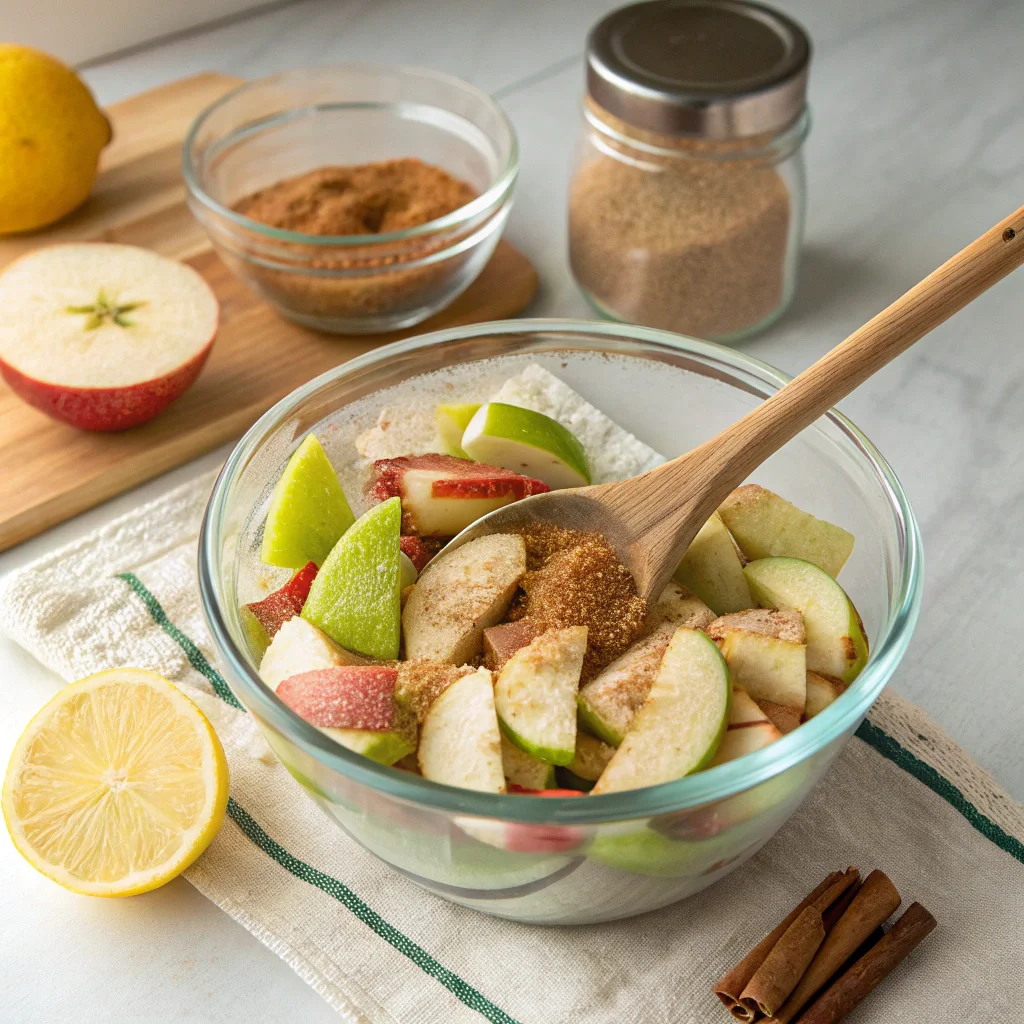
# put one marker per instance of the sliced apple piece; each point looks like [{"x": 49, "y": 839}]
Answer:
[
  {"x": 821, "y": 691},
  {"x": 535, "y": 694},
  {"x": 679, "y": 727},
  {"x": 442, "y": 495},
  {"x": 298, "y": 647},
  {"x": 526, "y": 442},
  {"x": 678, "y": 607},
  {"x": 767, "y": 657},
  {"x": 836, "y": 642},
  {"x": 308, "y": 512},
  {"x": 749, "y": 729},
  {"x": 712, "y": 569},
  {"x": 103, "y": 336},
  {"x": 356, "y": 597},
  {"x": 524, "y": 771},
  {"x": 459, "y": 595},
  {"x": 420, "y": 550},
  {"x": 356, "y": 706},
  {"x": 452, "y": 419},
  {"x": 460, "y": 743},
  {"x": 421, "y": 681},
  {"x": 765, "y": 525},
  {"x": 276, "y": 608},
  {"x": 501, "y": 642},
  {"x": 591, "y": 758},
  {"x": 607, "y": 703}
]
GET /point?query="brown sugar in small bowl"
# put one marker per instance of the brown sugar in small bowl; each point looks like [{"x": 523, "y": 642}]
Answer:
[{"x": 366, "y": 151}]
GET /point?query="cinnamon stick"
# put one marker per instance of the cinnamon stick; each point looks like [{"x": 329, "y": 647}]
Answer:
[
  {"x": 785, "y": 964},
  {"x": 874, "y": 902},
  {"x": 873, "y": 967},
  {"x": 729, "y": 987}
]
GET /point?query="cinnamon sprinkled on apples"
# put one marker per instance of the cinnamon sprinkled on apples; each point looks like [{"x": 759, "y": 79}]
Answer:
[{"x": 576, "y": 579}]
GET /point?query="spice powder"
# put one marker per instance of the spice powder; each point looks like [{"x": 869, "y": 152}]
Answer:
[
  {"x": 688, "y": 235},
  {"x": 361, "y": 200}
]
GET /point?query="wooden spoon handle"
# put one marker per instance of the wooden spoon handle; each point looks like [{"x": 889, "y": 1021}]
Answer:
[{"x": 747, "y": 443}]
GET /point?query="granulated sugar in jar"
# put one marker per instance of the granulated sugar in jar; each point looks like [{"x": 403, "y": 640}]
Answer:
[{"x": 686, "y": 205}]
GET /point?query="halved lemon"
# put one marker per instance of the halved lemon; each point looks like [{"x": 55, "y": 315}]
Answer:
[{"x": 117, "y": 785}]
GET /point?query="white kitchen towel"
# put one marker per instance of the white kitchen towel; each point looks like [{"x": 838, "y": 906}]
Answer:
[{"x": 380, "y": 950}]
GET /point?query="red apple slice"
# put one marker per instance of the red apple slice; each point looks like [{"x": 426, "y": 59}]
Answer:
[
  {"x": 277, "y": 608},
  {"x": 103, "y": 336},
  {"x": 344, "y": 697},
  {"x": 441, "y": 495},
  {"x": 420, "y": 550}
]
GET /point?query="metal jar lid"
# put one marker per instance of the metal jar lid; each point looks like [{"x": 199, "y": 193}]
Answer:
[{"x": 717, "y": 69}]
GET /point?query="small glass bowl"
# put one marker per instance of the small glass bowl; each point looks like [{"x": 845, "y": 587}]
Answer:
[
  {"x": 298, "y": 121},
  {"x": 562, "y": 860}
]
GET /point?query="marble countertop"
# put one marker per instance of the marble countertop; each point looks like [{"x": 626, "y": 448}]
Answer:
[{"x": 916, "y": 148}]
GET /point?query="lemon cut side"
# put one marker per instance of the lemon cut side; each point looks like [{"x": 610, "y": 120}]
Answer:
[{"x": 117, "y": 785}]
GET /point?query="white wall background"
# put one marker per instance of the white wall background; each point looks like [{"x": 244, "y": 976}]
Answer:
[{"x": 82, "y": 30}]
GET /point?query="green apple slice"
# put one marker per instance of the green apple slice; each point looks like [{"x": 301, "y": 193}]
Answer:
[
  {"x": 712, "y": 569},
  {"x": 460, "y": 743},
  {"x": 679, "y": 727},
  {"x": 382, "y": 747},
  {"x": 523, "y": 770},
  {"x": 451, "y": 420},
  {"x": 356, "y": 596},
  {"x": 836, "y": 642},
  {"x": 766, "y": 525},
  {"x": 526, "y": 442},
  {"x": 308, "y": 512},
  {"x": 535, "y": 695}
]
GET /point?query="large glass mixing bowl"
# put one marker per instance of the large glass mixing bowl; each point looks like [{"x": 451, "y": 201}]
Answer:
[{"x": 571, "y": 861}]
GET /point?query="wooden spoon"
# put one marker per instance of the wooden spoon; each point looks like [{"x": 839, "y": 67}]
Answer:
[{"x": 651, "y": 519}]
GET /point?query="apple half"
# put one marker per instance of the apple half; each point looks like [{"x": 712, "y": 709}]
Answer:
[{"x": 102, "y": 336}]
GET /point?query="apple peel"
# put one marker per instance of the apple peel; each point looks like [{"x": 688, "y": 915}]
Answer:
[
  {"x": 101, "y": 336},
  {"x": 345, "y": 697}
]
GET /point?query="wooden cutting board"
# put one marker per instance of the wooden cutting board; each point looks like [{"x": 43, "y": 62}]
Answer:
[{"x": 51, "y": 471}]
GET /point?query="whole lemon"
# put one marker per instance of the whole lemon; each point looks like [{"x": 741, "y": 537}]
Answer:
[{"x": 51, "y": 134}]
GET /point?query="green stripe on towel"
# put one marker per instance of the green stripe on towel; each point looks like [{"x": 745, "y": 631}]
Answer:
[
  {"x": 195, "y": 656},
  {"x": 890, "y": 748},
  {"x": 345, "y": 896}
]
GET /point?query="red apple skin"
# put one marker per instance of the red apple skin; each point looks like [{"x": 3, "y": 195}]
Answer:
[
  {"x": 543, "y": 838},
  {"x": 106, "y": 409},
  {"x": 420, "y": 550},
  {"x": 449, "y": 478},
  {"x": 344, "y": 697},
  {"x": 277, "y": 608}
]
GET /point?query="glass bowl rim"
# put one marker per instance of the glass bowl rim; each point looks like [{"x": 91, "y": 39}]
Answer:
[
  {"x": 705, "y": 787},
  {"x": 495, "y": 195}
]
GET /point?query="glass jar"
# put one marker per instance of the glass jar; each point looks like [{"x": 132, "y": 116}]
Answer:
[{"x": 687, "y": 200}]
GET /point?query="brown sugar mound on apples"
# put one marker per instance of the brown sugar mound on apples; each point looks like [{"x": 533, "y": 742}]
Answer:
[{"x": 576, "y": 579}]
